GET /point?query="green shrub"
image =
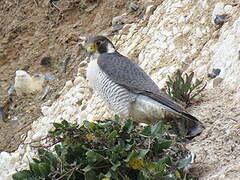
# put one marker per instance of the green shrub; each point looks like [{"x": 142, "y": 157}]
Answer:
[
  {"x": 109, "y": 150},
  {"x": 184, "y": 89}
]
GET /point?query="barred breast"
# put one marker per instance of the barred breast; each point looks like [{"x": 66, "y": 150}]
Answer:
[
  {"x": 127, "y": 104},
  {"x": 118, "y": 98}
]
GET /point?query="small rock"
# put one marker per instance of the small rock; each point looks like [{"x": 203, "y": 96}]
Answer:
[
  {"x": 214, "y": 73},
  {"x": 83, "y": 63},
  {"x": 175, "y": 30},
  {"x": 65, "y": 63},
  {"x": 220, "y": 19},
  {"x": 5, "y": 156},
  {"x": 11, "y": 91},
  {"x": 45, "y": 92},
  {"x": 118, "y": 19},
  {"x": 117, "y": 27},
  {"x": 51, "y": 1},
  {"x": 78, "y": 80},
  {"x": 133, "y": 6},
  {"x": 14, "y": 157},
  {"x": 163, "y": 45},
  {"x": 186, "y": 29},
  {"x": 218, "y": 9},
  {"x": 38, "y": 136},
  {"x": 90, "y": 118},
  {"x": 45, "y": 61},
  {"x": 78, "y": 23},
  {"x": 14, "y": 122},
  {"x": 2, "y": 56},
  {"x": 141, "y": 15},
  {"x": 48, "y": 77},
  {"x": 228, "y": 8},
  {"x": 125, "y": 29},
  {"x": 198, "y": 32},
  {"x": 69, "y": 84},
  {"x": 89, "y": 9},
  {"x": 215, "y": 82},
  {"x": 82, "y": 116},
  {"x": 2, "y": 115}
]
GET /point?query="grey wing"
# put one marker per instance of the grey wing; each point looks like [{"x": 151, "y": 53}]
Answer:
[{"x": 128, "y": 74}]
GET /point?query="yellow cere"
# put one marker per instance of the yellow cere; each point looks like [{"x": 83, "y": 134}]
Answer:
[
  {"x": 106, "y": 179},
  {"x": 91, "y": 48}
]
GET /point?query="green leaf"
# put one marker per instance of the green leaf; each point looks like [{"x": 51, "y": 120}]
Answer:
[
  {"x": 87, "y": 168},
  {"x": 90, "y": 175},
  {"x": 114, "y": 156},
  {"x": 24, "y": 174},
  {"x": 146, "y": 131},
  {"x": 128, "y": 126},
  {"x": 142, "y": 153},
  {"x": 93, "y": 157},
  {"x": 189, "y": 78},
  {"x": 128, "y": 147},
  {"x": 34, "y": 169},
  {"x": 102, "y": 158},
  {"x": 113, "y": 135},
  {"x": 65, "y": 124},
  {"x": 131, "y": 155},
  {"x": 170, "y": 80},
  {"x": 47, "y": 157},
  {"x": 57, "y": 125},
  {"x": 36, "y": 160},
  {"x": 115, "y": 166},
  {"x": 162, "y": 145},
  {"x": 89, "y": 125},
  {"x": 166, "y": 160},
  {"x": 160, "y": 169},
  {"x": 157, "y": 129},
  {"x": 182, "y": 163},
  {"x": 44, "y": 169},
  {"x": 58, "y": 149},
  {"x": 116, "y": 118},
  {"x": 112, "y": 175},
  {"x": 182, "y": 88}
]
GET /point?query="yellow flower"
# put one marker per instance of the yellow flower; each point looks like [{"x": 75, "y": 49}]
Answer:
[
  {"x": 136, "y": 163},
  {"x": 178, "y": 175},
  {"x": 106, "y": 179},
  {"x": 89, "y": 137}
]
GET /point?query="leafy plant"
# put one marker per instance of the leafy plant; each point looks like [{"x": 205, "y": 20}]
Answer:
[
  {"x": 108, "y": 150},
  {"x": 184, "y": 89}
]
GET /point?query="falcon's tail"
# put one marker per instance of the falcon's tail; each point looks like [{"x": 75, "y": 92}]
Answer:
[{"x": 193, "y": 125}]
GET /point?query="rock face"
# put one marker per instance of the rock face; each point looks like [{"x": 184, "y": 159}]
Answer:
[{"x": 178, "y": 35}]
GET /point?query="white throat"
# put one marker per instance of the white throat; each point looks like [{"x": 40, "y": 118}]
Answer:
[{"x": 110, "y": 48}]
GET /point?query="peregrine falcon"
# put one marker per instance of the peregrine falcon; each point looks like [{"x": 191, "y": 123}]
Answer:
[{"x": 129, "y": 91}]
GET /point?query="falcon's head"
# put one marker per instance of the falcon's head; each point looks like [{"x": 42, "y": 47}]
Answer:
[{"x": 100, "y": 45}]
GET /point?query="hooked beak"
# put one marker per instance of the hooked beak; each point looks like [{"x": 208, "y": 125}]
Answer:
[
  {"x": 90, "y": 48},
  {"x": 89, "y": 54}
]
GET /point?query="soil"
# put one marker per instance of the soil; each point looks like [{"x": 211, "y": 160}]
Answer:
[
  {"x": 32, "y": 30},
  {"x": 218, "y": 146}
]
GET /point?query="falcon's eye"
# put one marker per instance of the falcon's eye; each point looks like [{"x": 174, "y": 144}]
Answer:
[{"x": 98, "y": 43}]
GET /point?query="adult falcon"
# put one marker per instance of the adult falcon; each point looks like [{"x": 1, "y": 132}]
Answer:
[{"x": 129, "y": 91}]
